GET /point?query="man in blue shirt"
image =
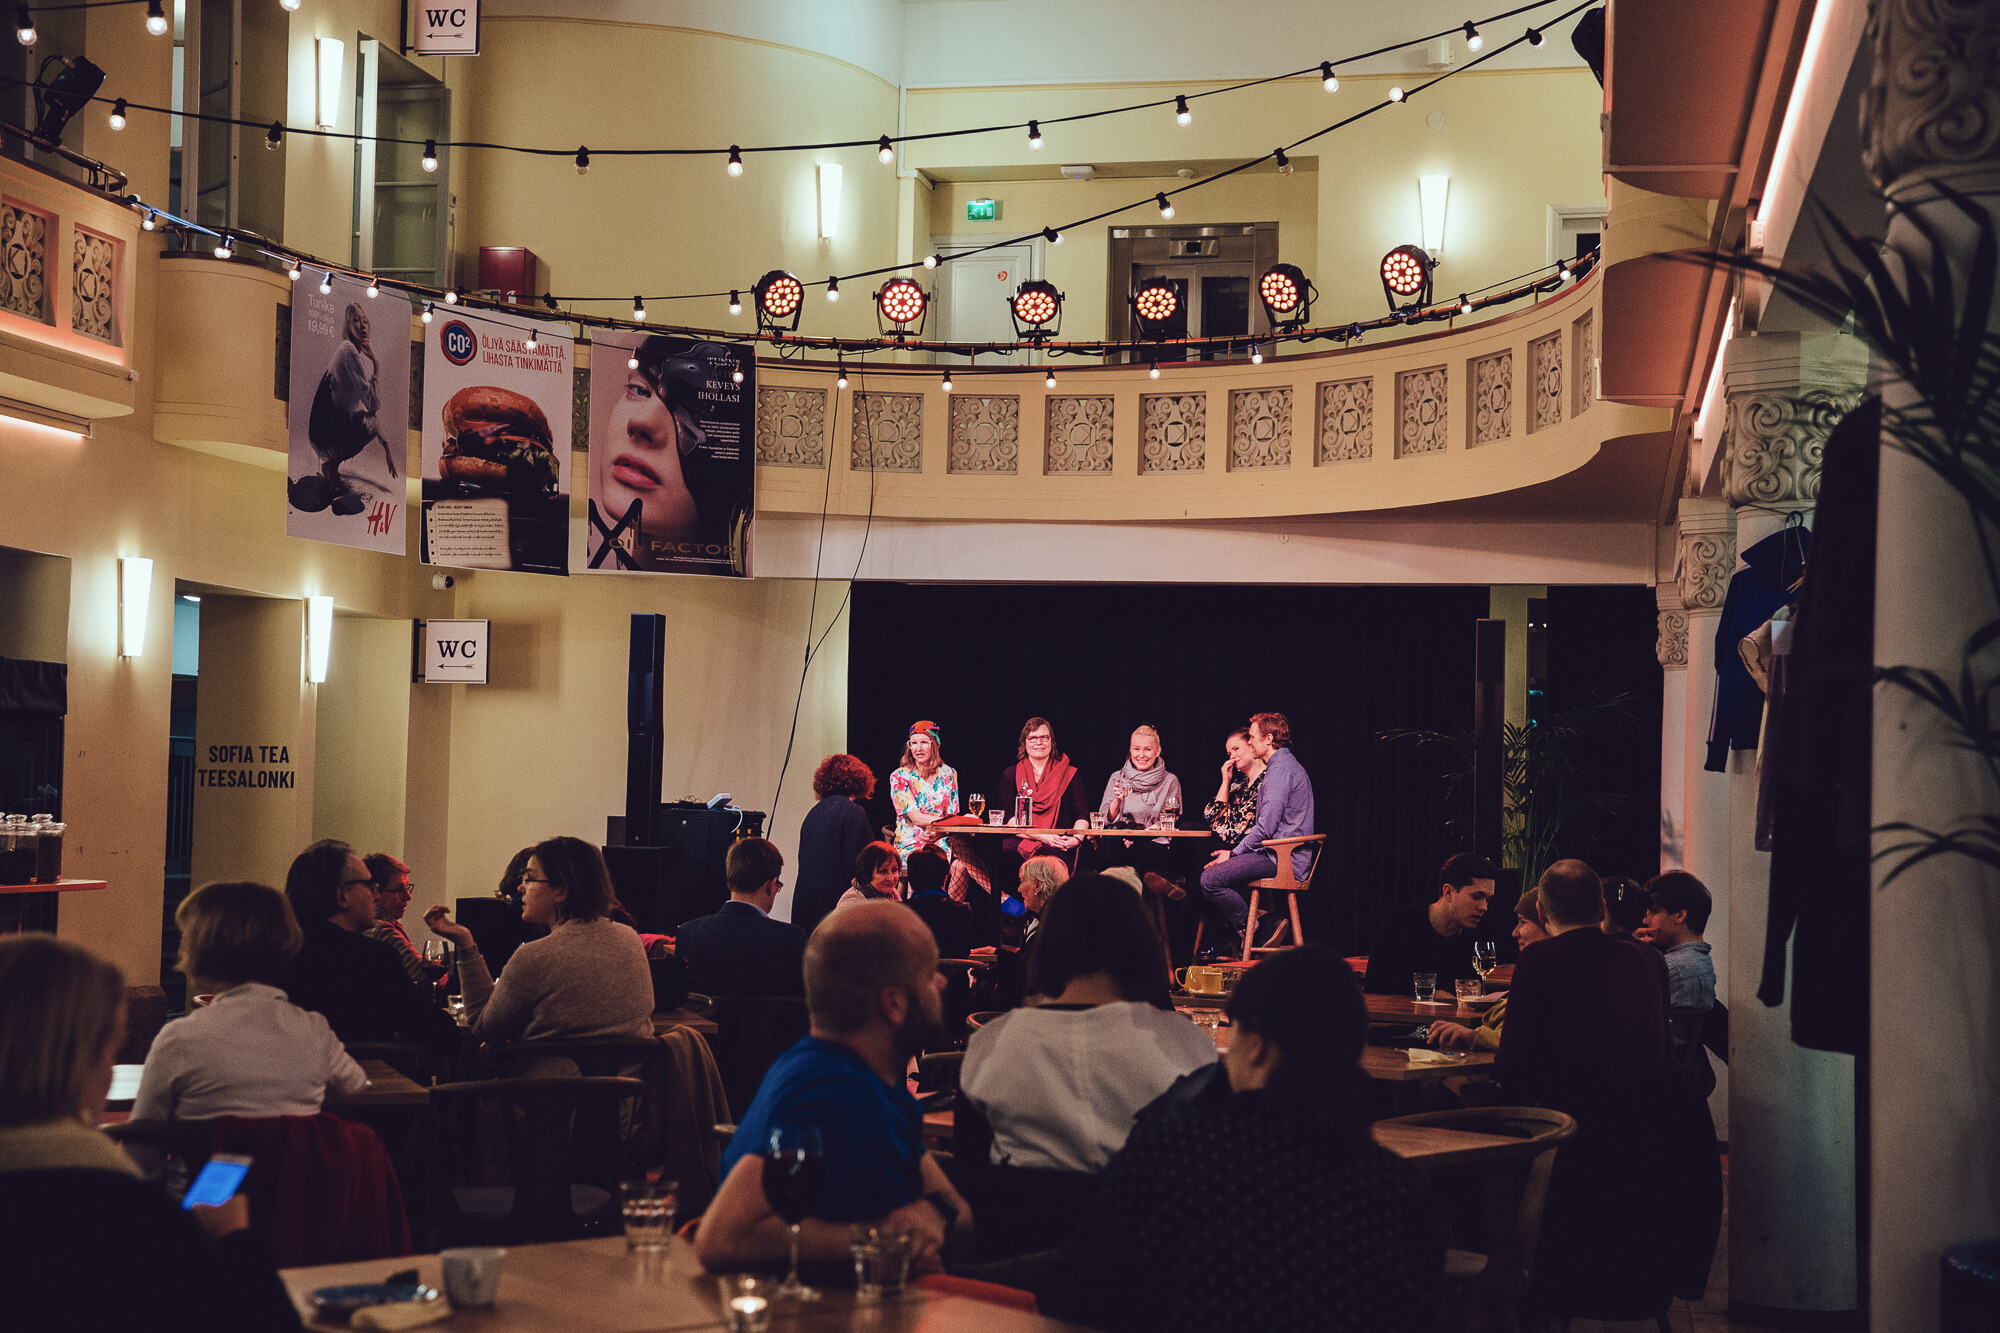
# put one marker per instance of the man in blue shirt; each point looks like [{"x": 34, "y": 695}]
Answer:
[
  {"x": 876, "y": 996},
  {"x": 1674, "y": 924},
  {"x": 1284, "y": 810}
]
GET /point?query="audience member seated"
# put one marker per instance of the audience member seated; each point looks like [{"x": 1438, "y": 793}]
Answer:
[
  {"x": 249, "y": 1051},
  {"x": 1624, "y": 906},
  {"x": 340, "y": 972},
  {"x": 950, "y": 922},
  {"x": 971, "y": 883},
  {"x": 740, "y": 950},
  {"x": 1271, "y": 1209},
  {"x": 876, "y": 997},
  {"x": 1284, "y": 810},
  {"x": 1676, "y": 915},
  {"x": 587, "y": 978},
  {"x": 1434, "y": 937},
  {"x": 1059, "y": 1083},
  {"x": 1450, "y": 1036},
  {"x": 1041, "y": 876},
  {"x": 878, "y": 874},
  {"x": 830, "y": 836},
  {"x": 392, "y": 899},
  {"x": 85, "y": 1244}
]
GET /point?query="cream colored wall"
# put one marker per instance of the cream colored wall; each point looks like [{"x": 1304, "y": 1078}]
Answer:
[
  {"x": 1080, "y": 266},
  {"x": 669, "y": 225},
  {"x": 34, "y": 615},
  {"x": 362, "y": 736}
]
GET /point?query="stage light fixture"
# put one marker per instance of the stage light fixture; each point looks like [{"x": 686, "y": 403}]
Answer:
[
  {"x": 582, "y": 161},
  {"x": 426, "y": 316},
  {"x": 779, "y": 298},
  {"x": 1155, "y": 304},
  {"x": 1034, "y": 129},
  {"x": 735, "y": 302},
  {"x": 1287, "y": 295},
  {"x": 223, "y": 249},
  {"x": 735, "y": 160},
  {"x": 118, "y": 114},
  {"x": 1535, "y": 38},
  {"x": 1327, "y": 78},
  {"x": 156, "y": 18},
  {"x": 1473, "y": 41},
  {"x": 274, "y": 135},
  {"x": 1037, "y": 310},
  {"x": 549, "y": 300},
  {"x": 24, "y": 26},
  {"x": 832, "y": 290},
  {"x": 59, "y": 96},
  {"x": 1182, "y": 116},
  {"x": 1166, "y": 206},
  {"x": 430, "y": 155},
  {"x": 638, "y": 310},
  {"x": 885, "y": 152},
  {"x": 900, "y": 307},
  {"x": 374, "y": 287},
  {"x": 1406, "y": 272}
]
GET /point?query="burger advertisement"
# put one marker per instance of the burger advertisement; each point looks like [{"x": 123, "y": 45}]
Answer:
[{"x": 497, "y": 394}]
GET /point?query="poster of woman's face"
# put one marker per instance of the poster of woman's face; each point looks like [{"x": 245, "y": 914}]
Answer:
[
  {"x": 348, "y": 418},
  {"x": 672, "y": 470}
]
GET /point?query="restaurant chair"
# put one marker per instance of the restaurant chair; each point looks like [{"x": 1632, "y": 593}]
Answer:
[
  {"x": 643, "y": 1058},
  {"x": 752, "y": 1031},
  {"x": 670, "y": 983},
  {"x": 981, "y": 1019},
  {"x": 938, "y": 1071},
  {"x": 567, "y": 1158},
  {"x": 145, "y": 1014},
  {"x": 701, "y": 1006},
  {"x": 1513, "y": 1184},
  {"x": 160, "y": 1146},
  {"x": 1286, "y": 882}
]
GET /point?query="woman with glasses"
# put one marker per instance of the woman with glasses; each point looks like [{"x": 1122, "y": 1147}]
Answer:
[{"x": 1044, "y": 778}]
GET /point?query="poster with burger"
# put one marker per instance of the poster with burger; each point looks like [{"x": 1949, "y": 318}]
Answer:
[
  {"x": 497, "y": 392},
  {"x": 348, "y": 416},
  {"x": 672, "y": 461}
]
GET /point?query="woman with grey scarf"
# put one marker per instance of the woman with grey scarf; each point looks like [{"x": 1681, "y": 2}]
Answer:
[{"x": 1135, "y": 796}]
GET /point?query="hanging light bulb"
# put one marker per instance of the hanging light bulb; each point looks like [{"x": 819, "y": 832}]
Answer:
[
  {"x": 632, "y": 361},
  {"x": 148, "y": 223},
  {"x": 1473, "y": 41},
  {"x": 534, "y": 336},
  {"x": 430, "y": 155},
  {"x": 735, "y": 303},
  {"x": 451, "y": 297},
  {"x": 1166, "y": 205},
  {"x": 223, "y": 250},
  {"x": 274, "y": 136},
  {"x": 947, "y": 380},
  {"x": 583, "y": 161},
  {"x": 735, "y": 160},
  {"x": 833, "y": 289},
  {"x": 326, "y": 282},
  {"x": 290, "y": 6},
  {"x": 1464, "y": 304},
  {"x": 1034, "y": 129},
  {"x": 1327, "y": 78},
  {"x": 374, "y": 287},
  {"x": 1052, "y": 236},
  {"x": 24, "y": 26},
  {"x": 1182, "y": 116},
  {"x": 1285, "y": 167},
  {"x": 1396, "y": 94},
  {"x": 1256, "y": 354},
  {"x": 930, "y": 261},
  {"x": 1535, "y": 38},
  {"x": 638, "y": 310},
  {"x": 118, "y": 114},
  {"x": 736, "y": 375},
  {"x": 294, "y": 271},
  {"x": 156, "y": 18},
  {"x": 885, "y": 152},
  {"x": 840, "y": 379},
  {"x": 1049, "y": 380},
  {"x": 1154, "y": 373},
  {"x": 426, "y": 316}
]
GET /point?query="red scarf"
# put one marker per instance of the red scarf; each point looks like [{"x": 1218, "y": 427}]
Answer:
[{"x": 1045, "y": 796}]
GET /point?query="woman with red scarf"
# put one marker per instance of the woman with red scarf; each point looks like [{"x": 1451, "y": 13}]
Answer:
[{"x": 1048, "y": 780}]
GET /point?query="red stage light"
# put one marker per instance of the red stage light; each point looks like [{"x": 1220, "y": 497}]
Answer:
[
  {"x": 901, "y": 301},
  {"x": 1280, "y": 293},
  {"x": 1404, "y": 270},
  {"x": 779, "y": 294},
  {"x": 1035, "y": 304},
  {"x": 1156, "y": 303}
]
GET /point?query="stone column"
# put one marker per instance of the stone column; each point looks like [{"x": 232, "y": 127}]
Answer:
[
  {"x": 1791, "y": 1110},
  {"x": 1672, "y": 650},
  {"x": 1934, "y": 1074}
]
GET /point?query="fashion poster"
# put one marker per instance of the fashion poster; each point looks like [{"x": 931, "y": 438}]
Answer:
[
  {"x": 496, "y": 434},
  {"x": 349, "y": 416},
  {"x": 672, "y": 462}
]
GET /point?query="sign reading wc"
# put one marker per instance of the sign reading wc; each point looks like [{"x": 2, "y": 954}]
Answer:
[
  {"x": 455, "y": 651},
  {"x": 450, "y": 29}
]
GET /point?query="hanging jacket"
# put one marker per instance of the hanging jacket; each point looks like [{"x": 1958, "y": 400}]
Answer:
[{"x": 1755, "y": 591}]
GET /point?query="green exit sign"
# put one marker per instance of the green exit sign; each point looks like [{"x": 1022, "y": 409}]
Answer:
[{"x": 982, "y": 210}]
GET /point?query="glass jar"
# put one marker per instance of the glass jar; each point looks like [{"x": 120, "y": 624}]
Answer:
[
  {"x": 49, "y": 852},
  {"x": 17, "y": 851}
]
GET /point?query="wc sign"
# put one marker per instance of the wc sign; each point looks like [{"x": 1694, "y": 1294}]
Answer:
[
  {"x": 450, "y": 29},
  {"x": 455, "y": 651}
]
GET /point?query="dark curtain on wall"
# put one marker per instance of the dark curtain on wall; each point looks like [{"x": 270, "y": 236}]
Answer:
[
  {"x": 1343, "y": 664},
  {"x": 1602, "y": 638}
]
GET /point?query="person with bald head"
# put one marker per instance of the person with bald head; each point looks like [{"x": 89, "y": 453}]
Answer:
[{"x": 875, "y": 997}]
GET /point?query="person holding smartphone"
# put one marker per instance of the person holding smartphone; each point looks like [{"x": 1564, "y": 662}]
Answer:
[{"x": 85, "y": 1242}]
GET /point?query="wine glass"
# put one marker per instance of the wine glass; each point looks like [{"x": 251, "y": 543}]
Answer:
[
  {"x": 1170, "y": 812},
  {"x": 1485, "y": 957},
  {"x": 434, "y": 951},
  {"x": 975, "y": 805},
  {"x": 794, "y": 1179}
]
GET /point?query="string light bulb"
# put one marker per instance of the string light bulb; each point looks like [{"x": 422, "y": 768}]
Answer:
[
  {"x": 582, "y": 161},
  {"x": 1154, "y": 373},
  {"x": 294, "y": 271},
  {"x": 1166, "y": 205},
  {"x": 274, "y": 136},
  {"x": 374, "y": 287},
  {"x": 1464, "y": 304},
  {"x": 1396, "y": 94},
  {"x": 1256, "y": 354},
  {"x": 632, "y": 361},
  {"x": 430, "y": 155},
  {"x": 156, "y": 18},
  {"x": 223, "y": 250},
  {"x": 148, "y": 224},
  {"x": 1182, "y": 116},
  {"x": 736, "y": 375},
  {"x": 1052, "y": 236},
  {"x": 638, "y": 310},
  {"x": 1284, "y": 163},
  {"x": 1034, "y": 129},
  {"x": 1049, "y": 380},
  {"x": 947, "y": 381},
  {"x": 1473, "y": 41},
  {"x": 833, "y": 289},
  {"x": 885, "y": 152},
  {"x": 426, "y": 316},
  {"x": 735, "y": 303},
  {"x": 735, "y": 160},
  {"x": 840, "y": 377},
  {"x": 1535, "y": 38},
  {"x": 451, "y": 297},
  {"x": 118, "y": 114},
  {"x": 1327, "y": 78},
  {"x": 930, "y": 261},
  {"x": 534, "y": 339},
  {"x": 24, "y": 26},
  {"x": 289, "y": 6},
  {"x": 326, "y": 282}
]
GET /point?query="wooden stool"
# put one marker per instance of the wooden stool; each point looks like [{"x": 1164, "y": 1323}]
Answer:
[{"x": 1286, "y": 883}]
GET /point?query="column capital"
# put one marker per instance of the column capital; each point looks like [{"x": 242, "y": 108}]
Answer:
[
  {"x": 1783, "y": 393},
  {"x": 1704, "y": 553},
  {"x": 1932, "y": 107},
  {"x": 1672, "y": 648}
]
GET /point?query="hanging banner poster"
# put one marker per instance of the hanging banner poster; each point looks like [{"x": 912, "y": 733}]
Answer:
[
  {"x": 673, "y": 459},
  {"x": 349, "y": 415},
  {"x": 496, "y": 444}
]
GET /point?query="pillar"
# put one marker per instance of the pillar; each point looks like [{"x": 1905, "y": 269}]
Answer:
[
  {"x": 1672, "y": 650},
  {"x": 1934, "y": 1045},
  {"x": 1791, "y": 1110}
]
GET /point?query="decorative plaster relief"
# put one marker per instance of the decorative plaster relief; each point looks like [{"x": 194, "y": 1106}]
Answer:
[
  {"x": 985, "y": 433},
  {"x": 1422, "y": 412},
  {"x": 1773, "y": 443},
  {"x": 1545, "y": 382},
  {"x": 24, "y": 261},
  {"x": 888, "y": 432},
  {"x": 1493, "y": 397},
  {"x": 1702, "y": 565},
  {"x": 1672, "y": 648},
  {"x": 1583, "y": 355},
  {"x": 1346, "y": 421},
  {"x": 791, "y": 427},
  {"x": 1077, "y": 436},
  {"x": 1172, "y": 430},
  {"x": 1260, "y": 429},
  {"x": 93, "y": 307}
]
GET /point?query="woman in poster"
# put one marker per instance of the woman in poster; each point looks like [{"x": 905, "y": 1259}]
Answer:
[
  {"x": 343, "y": 422},
  {"x": 691, "y": 494}
]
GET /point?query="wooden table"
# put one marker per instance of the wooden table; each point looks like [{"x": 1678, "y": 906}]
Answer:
[
  {"x": 1388, "y": 1064},
  {"x": 1135, "y": 834},
  {"x": 1407, "y": 1009},
  {"x": 386, "y": 1087},
  {"x": 596, "y": 1286},
  {"x": 1431, "y": 1146}
]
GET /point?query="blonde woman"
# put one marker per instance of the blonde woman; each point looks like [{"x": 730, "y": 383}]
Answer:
[{"x": 923, "y": 789}]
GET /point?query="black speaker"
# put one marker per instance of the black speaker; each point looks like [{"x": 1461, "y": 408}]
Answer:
[
  {"x": 647, "y": 880},
  {"x": 646, "y": 729},
  {"x": 695, "y": 841}
]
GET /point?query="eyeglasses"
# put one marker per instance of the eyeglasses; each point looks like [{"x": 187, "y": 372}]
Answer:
[{"x": 535, "y": 879}]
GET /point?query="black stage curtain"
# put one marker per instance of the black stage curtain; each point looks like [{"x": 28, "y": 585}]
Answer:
[
  {"x": 1343, "y": 664},
  {"x": 1602, "y": 638}
]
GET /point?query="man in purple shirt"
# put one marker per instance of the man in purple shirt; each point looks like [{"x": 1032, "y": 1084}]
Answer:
[{"x": 1284, "y": 810}]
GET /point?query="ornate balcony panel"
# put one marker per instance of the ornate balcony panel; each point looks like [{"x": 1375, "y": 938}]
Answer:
[
  {"x": 1078, "y": 436},
  {"x": 65, "y": 295},
  {"x": 1423, "y": 411},
  {"x": 1492, "y": 385},
  {"x": 985, "y": 433},
  {"x": 1260, "y": 429},
  {"x": 888, "y": 432},
  {"x": 1545, "y": 382},
  {"x": 1347, "y": 421},
  {"x": 791, "y": 427},
  {"x": 1173, "y": 427}
]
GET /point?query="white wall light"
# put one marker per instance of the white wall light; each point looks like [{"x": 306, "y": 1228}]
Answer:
[
  {"x": 1431, "y": 192},
  {"x": 135, "y": 590},
  {"x": 332, "y": 57},
  {"x": 829, "y": 199},
  {"x": 319, "y": 637}
]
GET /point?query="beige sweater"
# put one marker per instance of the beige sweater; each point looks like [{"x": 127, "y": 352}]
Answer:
[{"x": 587, "y": 979}]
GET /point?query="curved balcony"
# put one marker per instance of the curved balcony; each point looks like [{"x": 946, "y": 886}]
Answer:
[{"x": 217, "y": 358}]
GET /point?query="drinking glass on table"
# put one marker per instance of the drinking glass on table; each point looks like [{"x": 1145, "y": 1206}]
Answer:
[
  {"x": 1097, "y": 819},
  {"x": 1170, "y": 813},
  {"x": 881, "y": 1262},
  {"x": 746, "y": 1302},
  {"x": 1485, "y": 957},
  {"x": 1469, "y": 990},
  {"x": 794, "y": 1179},
  {"x": 648, "y": 1207},
  {"x": 1425, "y": 984},
  {"x": 975, "y": 805}
]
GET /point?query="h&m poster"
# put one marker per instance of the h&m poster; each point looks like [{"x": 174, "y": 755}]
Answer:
[
  {"x": 496, "y": 436},
  {"x": 673, "y": 469},
  {"x": 348, "y": 419}
]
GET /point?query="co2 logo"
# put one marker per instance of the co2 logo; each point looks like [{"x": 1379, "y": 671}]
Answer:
[{"x": 457, "y": 342}]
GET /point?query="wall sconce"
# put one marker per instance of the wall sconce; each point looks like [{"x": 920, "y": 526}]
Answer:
[
  {"x": 1431, "y": 192},
  {"x": 319, "y": 637},
  {"x": 332, "y": 55},
  {"x": 135, "y": 590},
  {"x": 829, "y": 199}
]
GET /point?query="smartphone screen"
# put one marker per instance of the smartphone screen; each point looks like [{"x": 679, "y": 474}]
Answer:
[{"x": 217, "y": 1181}]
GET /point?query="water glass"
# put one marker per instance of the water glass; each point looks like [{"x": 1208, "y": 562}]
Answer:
[
  {"x": 1425, "y": 984},
  {"x": 881, "y": 1262},
  {"x": 1097, "y": 819},
  {"x": 472, "y": 1276},
  {"x": 455, "y": 1006},
  {"x": 996, "y": 817},
  {"x": 746, "y": 1302},
  {"x": 649, "y": 1207},
  {"x": 1469, "y": 990}
]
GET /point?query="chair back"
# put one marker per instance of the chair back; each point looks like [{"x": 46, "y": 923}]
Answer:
[
  {"x": 1286, "y": 879},
  {"x": 642, "y": 1125},
  {"x": 156, "y": 1145},
  {"x": 558, "y": 1139},
  {"x": 938, "y": 1071},
  {"x": 981, "y": 1019},
  {"x": 752, "y": 1031}
]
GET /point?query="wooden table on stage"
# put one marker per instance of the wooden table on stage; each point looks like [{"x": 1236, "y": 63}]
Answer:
[
  {"x": 596, "y": 1286},
  {"x": 1135, "y": 834}
]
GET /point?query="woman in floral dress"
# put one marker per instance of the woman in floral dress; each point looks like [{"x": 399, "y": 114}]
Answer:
[{"x": 924, "y": 789}]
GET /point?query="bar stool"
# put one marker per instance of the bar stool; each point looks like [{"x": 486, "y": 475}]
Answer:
[{"x": 1284, "y": 882}]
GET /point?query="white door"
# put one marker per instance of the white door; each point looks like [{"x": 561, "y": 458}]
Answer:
[{"x": 972, "y": 295}]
